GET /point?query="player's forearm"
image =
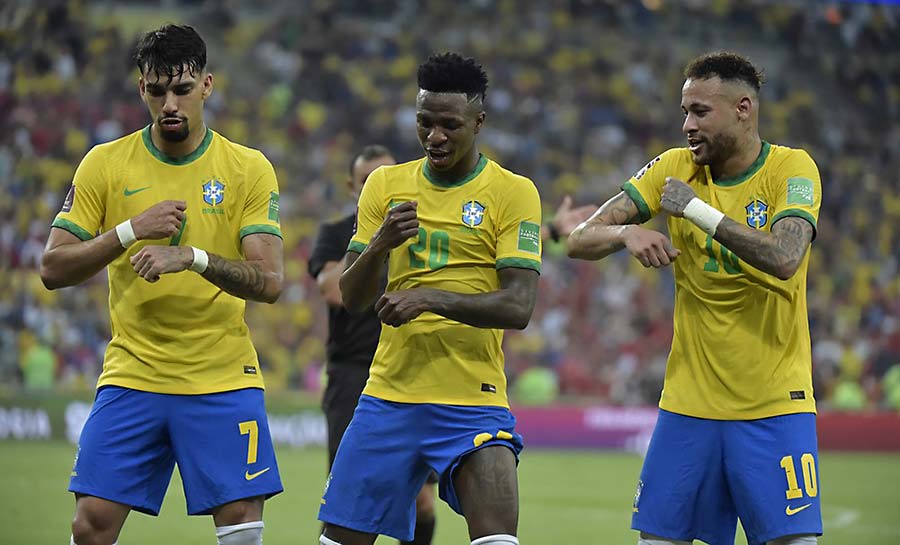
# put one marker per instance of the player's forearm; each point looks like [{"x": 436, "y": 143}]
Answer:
[
  {"x": 360, "y": 282},
  {"x": 70, "y": 264},
  {"x": 249, "y": 280},
  {"x": 501, "y": 309},
  {"x": 777, "y": 254},
  {"x": 595, "y": 241},
  {"x": 329, "y": 283}
]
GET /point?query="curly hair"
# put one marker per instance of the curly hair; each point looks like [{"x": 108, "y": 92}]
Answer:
[
  {"x": 170, "y": 50},
  {"x": 727, "y": 66},
  {"x": 453, "y": 73}
]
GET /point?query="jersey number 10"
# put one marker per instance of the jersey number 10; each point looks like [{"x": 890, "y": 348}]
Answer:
[{"x": 808, "y": 466}]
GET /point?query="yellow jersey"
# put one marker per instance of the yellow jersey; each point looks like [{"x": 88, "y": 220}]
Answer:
[
  {"x": 468, "y": 230},
  {"x": 181, "y": 334},
  {"x": 741, "y": 347}
]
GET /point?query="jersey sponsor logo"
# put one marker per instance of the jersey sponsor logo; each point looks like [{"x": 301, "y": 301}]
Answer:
[
  {"x": 790, "y": 512},
  {"x": 798, "y": 394},
  {"x": 757, "y": 214},
  {"x": 130, "y": 192},
  {"x": 799, "y": 191},
  {"x": 472, "y": 213},
  {"x": 530, "y": 237},
  {"x": 70, "y": 199},
  {"x": 274, "y": 208},
  {"x": 249, "y": 370},
  {"x": 639, "y": 174},
  {"x": 213, "y": 192},
  {"x": 250, "y": 476},
  {"x": 490, "y": 388}
]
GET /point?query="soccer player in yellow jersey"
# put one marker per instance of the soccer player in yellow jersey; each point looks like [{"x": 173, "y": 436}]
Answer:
[
  {"x": 187, "y": 223},
  {"x": 461, "y": 239},
  {"x": 736, "y": 434}
]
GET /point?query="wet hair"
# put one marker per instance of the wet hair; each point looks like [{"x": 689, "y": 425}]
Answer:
[
  {"x": 169, "y": 50},
  {"x": 727, "y": 66},
  {"x": 372, "y": 151},
  {"x": 453, "y": 73}
]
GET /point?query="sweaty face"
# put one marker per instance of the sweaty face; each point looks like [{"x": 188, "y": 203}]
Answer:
[
  {"x": 446, "y": 124},
  {"x": 362, "y": 168},
  {"x": 710, "y": 120},
  {"x": 174, "y": 103}
]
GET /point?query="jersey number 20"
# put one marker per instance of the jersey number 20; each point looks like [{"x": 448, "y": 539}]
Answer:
[{"x": 438, "y": 250}]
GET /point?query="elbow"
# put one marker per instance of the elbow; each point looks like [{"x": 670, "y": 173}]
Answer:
[
  {"x": 50, "y": 275},
  {"x": 273, "y": 291},
  {"x": 786, "y": 272},
  {"x": 522, "y": 317}
]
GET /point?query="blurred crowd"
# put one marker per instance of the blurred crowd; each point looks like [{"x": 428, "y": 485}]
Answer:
[{"x": 582, "y": 94}]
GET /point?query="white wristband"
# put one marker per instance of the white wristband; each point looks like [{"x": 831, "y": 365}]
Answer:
[
  {"x": 201, "y": 260},
  {"x": 703, "y": 215},
  {"x": 125, "y": 232}
]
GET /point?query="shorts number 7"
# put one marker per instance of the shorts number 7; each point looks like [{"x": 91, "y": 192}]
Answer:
[
  {"x": 250, "y": 428},
  {"x": 808, "y": 465}
]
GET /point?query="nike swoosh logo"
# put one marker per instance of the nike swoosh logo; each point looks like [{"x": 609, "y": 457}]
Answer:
[
  {"x": 130, "y": 192},
  {"x": 250, "y": 476},
  {"x": 788, "y": 511}
]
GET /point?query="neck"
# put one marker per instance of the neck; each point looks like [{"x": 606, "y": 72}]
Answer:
[
  {"x": 739, "y": 162},
  {"x": 459, "y": 171},
  {"x": 178, "y": 149}
]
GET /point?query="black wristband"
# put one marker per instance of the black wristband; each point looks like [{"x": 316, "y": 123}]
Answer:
[{"x": 554, "y": 232}]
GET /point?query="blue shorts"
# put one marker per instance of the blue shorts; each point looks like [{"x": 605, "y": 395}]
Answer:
[
  {"x": 390, "y": 448},
  {"x": 133, "y": 439},
  {"x": 701, "y": 475}
]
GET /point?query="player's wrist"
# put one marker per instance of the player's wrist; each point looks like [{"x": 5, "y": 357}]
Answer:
[
  {"x": 125, "y": 234},
  {"x": 703, "y": 215},
  {"x": 199, "y": 260}
]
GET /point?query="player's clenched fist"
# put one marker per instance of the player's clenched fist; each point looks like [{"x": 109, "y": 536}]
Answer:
[
  {"x": 675, "y": 196},
  {"x": 162, "y": 220},
  {"x": 651, "y": 248},
  {"x": 400, "y": 224},
  {"x": 396, "y": 308},
  {"x": 152, "y": 261}
]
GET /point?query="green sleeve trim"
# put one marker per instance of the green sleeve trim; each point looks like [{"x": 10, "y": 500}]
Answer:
[
  {"x": 356, "y": 246},
  {"x": 635, "y": 195},
  {"x": 797, "y": 213},
  {"x": 255, "y": 229},
  {"x": 72, "y": 228},
  {"x": 519, "y": 263}
]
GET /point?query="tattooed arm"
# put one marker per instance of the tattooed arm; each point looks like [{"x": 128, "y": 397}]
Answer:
[
  {"x": 258, "y": 277},
  {"x": 778, "y": 253},
  {"x": 611, "y": 228}
]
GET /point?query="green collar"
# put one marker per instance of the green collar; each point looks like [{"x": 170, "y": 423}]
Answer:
[
  {"x": 178, "y": 161},
  {"x": 482, "y": 162},
  {"x": 751, "y": 170}
]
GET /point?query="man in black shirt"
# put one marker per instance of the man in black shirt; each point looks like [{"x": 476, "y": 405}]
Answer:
[{"x": 352, "y": 338}]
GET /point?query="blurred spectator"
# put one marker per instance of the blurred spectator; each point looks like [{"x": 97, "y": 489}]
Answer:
[{"x": 580, "y": 99}]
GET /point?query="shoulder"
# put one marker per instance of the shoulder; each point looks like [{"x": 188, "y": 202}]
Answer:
[
  {"x": 678, "y": 162},
  {"x": 401, "y": 170},
  {"x": 246, "y": 156},
  {"x": 785, "y": 162},
  {"x": 508, "y": 181}
]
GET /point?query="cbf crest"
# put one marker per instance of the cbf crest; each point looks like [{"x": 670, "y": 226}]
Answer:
[
  {"x": 213, "y": 192},
  {"x": 757, "y": 214},
  {"x": 472, "y": 213}
]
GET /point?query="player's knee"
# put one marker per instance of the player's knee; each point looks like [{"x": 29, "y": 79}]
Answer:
[
  {"x": 650, "y": 539},
  {"x": 795, "y": 540},
  {"x": 425, "y": 503},
  {"x": 90, "y": 531},
  {"x": 496, "y": 539},
  {"x": 247, "y": 533}
]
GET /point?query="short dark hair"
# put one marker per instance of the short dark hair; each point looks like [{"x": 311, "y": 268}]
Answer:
[
  {"x": 453, "y": 73},
  {"x": 169, "y": 50},
  {"x": 372, "y": 151},
  {"x": 727, "y": 66}
]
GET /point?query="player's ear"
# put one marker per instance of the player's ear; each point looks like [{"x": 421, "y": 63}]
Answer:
[
  {"x": 207, "y": 86},
  {"x": 744, "y": 108},
  {"x": 479, "y": 121}
]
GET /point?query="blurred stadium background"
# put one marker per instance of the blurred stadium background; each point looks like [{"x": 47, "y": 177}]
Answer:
[{"x": 582, "y": 94}]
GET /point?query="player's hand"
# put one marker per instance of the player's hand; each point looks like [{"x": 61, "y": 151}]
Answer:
[
  {"x": 152, "y": 261},
  {"x": 396, "y": 308},
  {"x": 567, "y": 218},
  {"x": 651, "y": 248},
  {"x": 400, "y": 224},
  {"x": 162, "y": 220},
  {"x": 675, "y": 196}
]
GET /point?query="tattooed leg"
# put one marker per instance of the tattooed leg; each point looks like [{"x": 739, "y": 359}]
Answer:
[{"x": 488, "y": 491}]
